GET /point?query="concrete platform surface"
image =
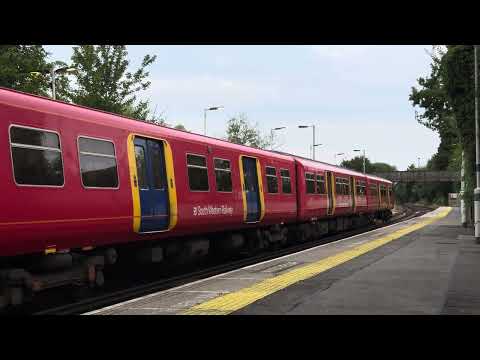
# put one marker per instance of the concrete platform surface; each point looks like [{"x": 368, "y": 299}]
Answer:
[{"x": 427, "y": 265}]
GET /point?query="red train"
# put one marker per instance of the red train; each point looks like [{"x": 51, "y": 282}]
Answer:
[{"x": 81, "y": 187}]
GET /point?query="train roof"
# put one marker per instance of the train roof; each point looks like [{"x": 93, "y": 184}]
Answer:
[
  {"x": 99, "y": 117},
  {"x": 329, "y": 167}
]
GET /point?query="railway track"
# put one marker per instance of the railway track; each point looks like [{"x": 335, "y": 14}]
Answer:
[{"x": 126, "y": 292}]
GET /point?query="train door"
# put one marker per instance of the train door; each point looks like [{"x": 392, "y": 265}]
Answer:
[
  {"x": 251, "y": 189},
  {"x": 353, "y": 192},
  {"x": 152, "y": 185},
  {"x": 330, "y": 192},
  {"x": 379, "y": 195}
]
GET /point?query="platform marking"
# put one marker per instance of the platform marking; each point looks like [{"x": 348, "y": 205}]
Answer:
[
  {"x": 223, "y": 275},
  {"x": 234, "y": 301}
]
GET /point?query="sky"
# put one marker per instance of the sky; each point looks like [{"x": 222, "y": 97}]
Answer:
[{"x": 356, "y": 96}]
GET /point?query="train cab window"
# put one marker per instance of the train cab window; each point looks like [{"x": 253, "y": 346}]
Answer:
[
  {"x": 373, "y": 190},
  {"x": 286, "y": 182},
  {"x": 36, "y": 157},
  {"x": 197, "y": 172},
  {"x": 272, "y": 180},
  {"x": 223, "y": 175},
  {"x": 98, "y": 164},
  {"x": 310, "y": 183},
  {"x": 321, "y": 184}
]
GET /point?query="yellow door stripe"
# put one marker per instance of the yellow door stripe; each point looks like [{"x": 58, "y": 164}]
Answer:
[
  {"x": 172, "y": 190},
  {"x": 334, "y": 192},
  {"x": 260, "y": 189},
  {"x": 244, "y": 196},
  {"x": 354, "y": 200},
  {"x": 229, "y": 303},
  {"x": 132, "y": 164}
]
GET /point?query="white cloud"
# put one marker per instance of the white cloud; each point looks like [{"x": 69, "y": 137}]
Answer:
[{"x": 340, "y": 51}]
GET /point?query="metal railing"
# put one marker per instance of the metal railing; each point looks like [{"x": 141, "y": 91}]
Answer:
[{"x": 420, "y": 176}]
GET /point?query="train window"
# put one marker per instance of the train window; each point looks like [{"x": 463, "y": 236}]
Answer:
[
  {"x": 272, "y": 180},
  {"x": 286, "y": 182},
  {"x": 158, "y": 170},
  {"x": 383, "y": 191},
  {"x": 223, "y": 175},
  {"x": 342, "y": 186},
  {"x": 310, "y": 183},
  {"x": 197, "y": 172},
  {"x": 373, "y": 190},
  {"x": 361, "y": 188},
  {"x": 320, "y": 184},
  {"x": 98, "y": 164},
  {"x": 141, "y": 167},
  {"x": 36, "y": 156}
]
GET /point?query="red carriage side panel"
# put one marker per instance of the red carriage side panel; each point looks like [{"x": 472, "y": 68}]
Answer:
[
  {"x": 68, "y": 214},
  {"x": 279, "y": 189}
]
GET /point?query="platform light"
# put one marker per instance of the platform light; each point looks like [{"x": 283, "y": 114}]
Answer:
[
  {"x": 356, "y": 150},
  {"x": 271, "y": 134},
  {"x": 313, "y": 143},
  {"x": 54, "y": 71},
  {"x": 212, "y": 108},
  {"x": 335, "y": 157}
]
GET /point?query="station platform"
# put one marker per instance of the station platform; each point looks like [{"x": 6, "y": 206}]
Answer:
[{"x": 426, "y": 265}]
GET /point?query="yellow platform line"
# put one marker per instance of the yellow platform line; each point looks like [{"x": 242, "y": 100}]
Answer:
[{"x": 229, "y": 303}]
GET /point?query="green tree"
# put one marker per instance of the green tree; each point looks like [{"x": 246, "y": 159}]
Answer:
[
  {"x": 180, "y": 127},
  {"x": 103, "y": 82},
  {"x": 380, "y": 167},
  {"x": 447, "y": 97},
  {"x": 240, "y": 131},
  {"x": 16, "y": 64},
  {"x": 356, "y": 164}
]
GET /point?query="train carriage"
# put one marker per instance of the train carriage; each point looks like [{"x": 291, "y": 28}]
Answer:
[{"x": 121, "y": 180}]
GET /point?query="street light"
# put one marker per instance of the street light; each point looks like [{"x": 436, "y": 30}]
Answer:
[
  {"x": 476, "y": 192},
  {"x": 418, "y": 163},
  {"x": 205, "y": 117},
  {"x": 54, "y": 71},
  {"x": 313, "y": 143},
  {"x": 271, "y": 133},
  {"x": 363, "y": 159},
  {"x": 314, "y": 146},
  {"x": 335, "y": 156}
]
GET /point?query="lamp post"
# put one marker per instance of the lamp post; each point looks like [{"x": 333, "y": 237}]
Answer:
[
  {"x": 53, "y": 72},
  {"x": 313, "y": 143},
  {"x": 363, "y": 159},
  {"x": 335, "y": 156},
  {"x": 205, "y": 117},
  {"x": 418, "y": 163},
  {"x": 271, "y": 134},
  {"x": 314, "y": 146},
  {"x": 476, "y": 192}
]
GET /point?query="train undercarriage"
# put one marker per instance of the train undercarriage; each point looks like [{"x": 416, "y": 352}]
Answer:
[{"x": 21, "y": 278}]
